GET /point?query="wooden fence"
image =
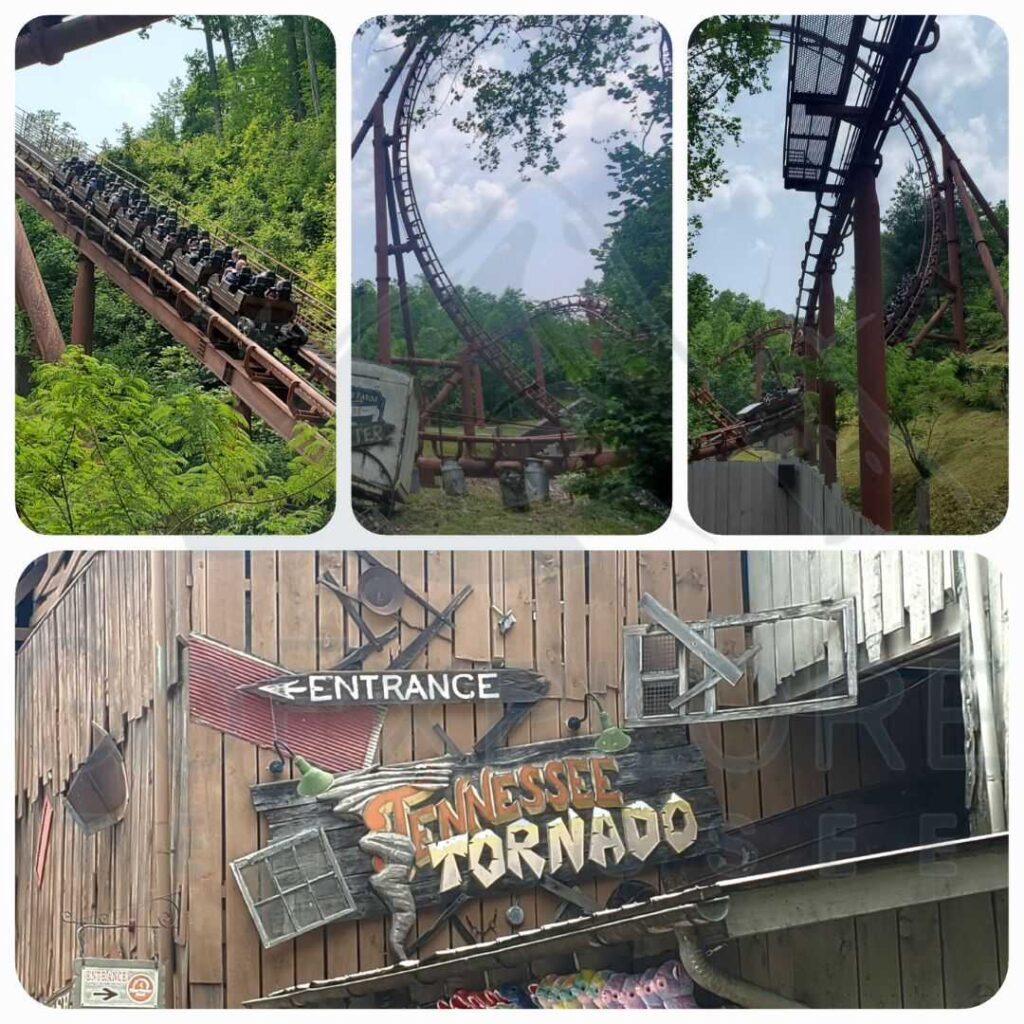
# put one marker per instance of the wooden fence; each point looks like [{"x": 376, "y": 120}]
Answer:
[
  {"x": 570, "y": 607},
  {"x": 769, "y": 497}
]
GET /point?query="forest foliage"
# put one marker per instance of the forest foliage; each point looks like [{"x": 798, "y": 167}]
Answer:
[{"x": 139, "y": 437}]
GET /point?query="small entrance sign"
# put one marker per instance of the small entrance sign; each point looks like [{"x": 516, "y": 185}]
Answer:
[
  {"x": 394, "y": 686},
  {"x": 118, "y": 984}
]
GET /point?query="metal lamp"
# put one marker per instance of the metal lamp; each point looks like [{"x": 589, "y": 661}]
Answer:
[
  {"x": 313, "y": 781},
  {"x": 612, "y": 739}
]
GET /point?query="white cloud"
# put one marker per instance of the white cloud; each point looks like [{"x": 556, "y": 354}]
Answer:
[
  {"x": 462, "y": 202},
  {"x": 967, "y": 56},
  {"x": 973, "y": 144},
  {"x": 747, "y": 192}
]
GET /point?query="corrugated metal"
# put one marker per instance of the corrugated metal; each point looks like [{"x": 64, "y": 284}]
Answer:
[{"x": 338, "y": 740}]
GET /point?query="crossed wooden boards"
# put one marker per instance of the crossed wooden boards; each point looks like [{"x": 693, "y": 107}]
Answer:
[{"x": 347, "y": 684}]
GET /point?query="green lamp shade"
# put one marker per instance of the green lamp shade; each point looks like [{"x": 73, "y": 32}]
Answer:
[
  {"x": 612, "y": 738},
  {"x": 313, "y": 781}
]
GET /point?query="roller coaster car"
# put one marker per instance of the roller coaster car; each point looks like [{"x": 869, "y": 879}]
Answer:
[
  {"x": 196, "y": 273},
  {"x": 261, "y": 307},
  {"x": 773, "y": 401},
  {"x": 162, "y": 247},
  {"x": 107, "y": 204},
  {"x": 131, "y": 222}
]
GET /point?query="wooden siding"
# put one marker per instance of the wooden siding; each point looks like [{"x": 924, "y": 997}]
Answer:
[
  {"x": 906, "y": 602},
  {"x": 744, "y": 497},
  {"x": 951, "y": 954}
]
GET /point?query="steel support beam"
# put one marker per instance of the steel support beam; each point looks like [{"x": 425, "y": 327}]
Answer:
[
  {"x": 30, "y": 294},
  {"x": 758, "y": 369},
  {"x": 49, "y": 45},
  {"x": 380, "y": 212},
  {"x": 980, "y": 243},
  {"x": 953, "y": 247},
  {"x": 826, "y": 388},
  {"x": 810, "y": 412},
  {"x": 83, "y": 309},
  {"x": 538, "y": 363},
  {"x": 872, "y": 400}
]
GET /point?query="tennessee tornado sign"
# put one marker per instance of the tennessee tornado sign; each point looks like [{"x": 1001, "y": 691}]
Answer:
[{"x": 411, "y": 835}]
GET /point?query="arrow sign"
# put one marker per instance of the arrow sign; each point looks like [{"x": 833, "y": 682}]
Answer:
[
  {"x": 106, "y": 994},
  {"x": 403, "y": 686}
]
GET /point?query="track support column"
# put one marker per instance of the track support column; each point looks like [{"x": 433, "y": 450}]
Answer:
[
  {"x": 30, "y": 295},
  {"x": 980, "y": 242},
  {"x": 83, "y": 308},
  {"x": 809, "y": 424},
  {"x": 759, "y": 369},
  {"x": 380, "y": 211},
  {"x": 826, "y": 388},
  {"x": 953, "y": 247},
  {"x": 468, "y": 419},
  {"x": 538, "y": 364},
  {"x": 872, "y": 400}
]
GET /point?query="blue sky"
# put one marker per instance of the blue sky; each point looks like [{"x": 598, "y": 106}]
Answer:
[
  {"x": 99, "y": 88},
  {"x": 754, "y": 230},
  {"x": 491, "y": 230}
]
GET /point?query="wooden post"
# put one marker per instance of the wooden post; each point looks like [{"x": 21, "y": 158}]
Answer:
[
  {"x": 984, "y": 254},
  {"x": 30, "y": 294},
  {"x": 380, "y": 205},
  {"x": 826, "y": 388},
  {"x": 953, "y": 248},
  {"x": 872, "y": 400},
  {"x": 83, "y": 309}
]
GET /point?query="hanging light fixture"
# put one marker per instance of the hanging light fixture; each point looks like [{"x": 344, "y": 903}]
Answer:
[{"x": 612, "y": 739}]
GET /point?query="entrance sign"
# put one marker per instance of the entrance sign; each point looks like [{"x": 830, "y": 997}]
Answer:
[
  {"x": 118, "y": 984},
  {"x": 413, "y": 835},
  {"x": 392, "y": 686}
]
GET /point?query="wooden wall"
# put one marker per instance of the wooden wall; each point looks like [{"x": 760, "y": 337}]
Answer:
[
  {"x": 570, "y": 607},
  {"x": 951, "y": 955},
  {"x": 90, "y": 659}
]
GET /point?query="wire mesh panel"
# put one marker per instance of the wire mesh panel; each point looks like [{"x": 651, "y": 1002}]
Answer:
[
  {"x": 293, "y": 886},
  {"x": 665, "y": 681}
]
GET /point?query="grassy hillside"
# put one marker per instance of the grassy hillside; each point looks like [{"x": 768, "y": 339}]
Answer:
[{"x": 970, "y": 488}]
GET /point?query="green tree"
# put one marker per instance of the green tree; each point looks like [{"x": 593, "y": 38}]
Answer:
[{"x": 726, "y": 55}]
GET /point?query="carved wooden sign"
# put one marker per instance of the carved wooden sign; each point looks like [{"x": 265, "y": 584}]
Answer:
[
  {"x": 403, "y": 686},
  {"x": 412, "y": 835}
]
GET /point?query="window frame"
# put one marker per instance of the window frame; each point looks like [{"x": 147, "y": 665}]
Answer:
[
  {"x": 843, "y": 609},
  {"x": 265, "y": 856}
]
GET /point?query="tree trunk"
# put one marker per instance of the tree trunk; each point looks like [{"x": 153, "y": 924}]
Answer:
[
  {"x": 211, "y": 61},
  {"x": 294, "y": 86},
  {"x": 229, "y": 50},
  {"x": 314, "y": 81},
  {"x": 924, "y": 507}
]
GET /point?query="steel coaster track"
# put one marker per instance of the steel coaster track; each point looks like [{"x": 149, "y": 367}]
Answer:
[
  {"x": 898, "y": 318},
  {"x": 592, "y": 306},
  {"x": 475, "y": 335},
  {"x": 271, "y": 389},
  {"x": 314, "y": 315}
]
